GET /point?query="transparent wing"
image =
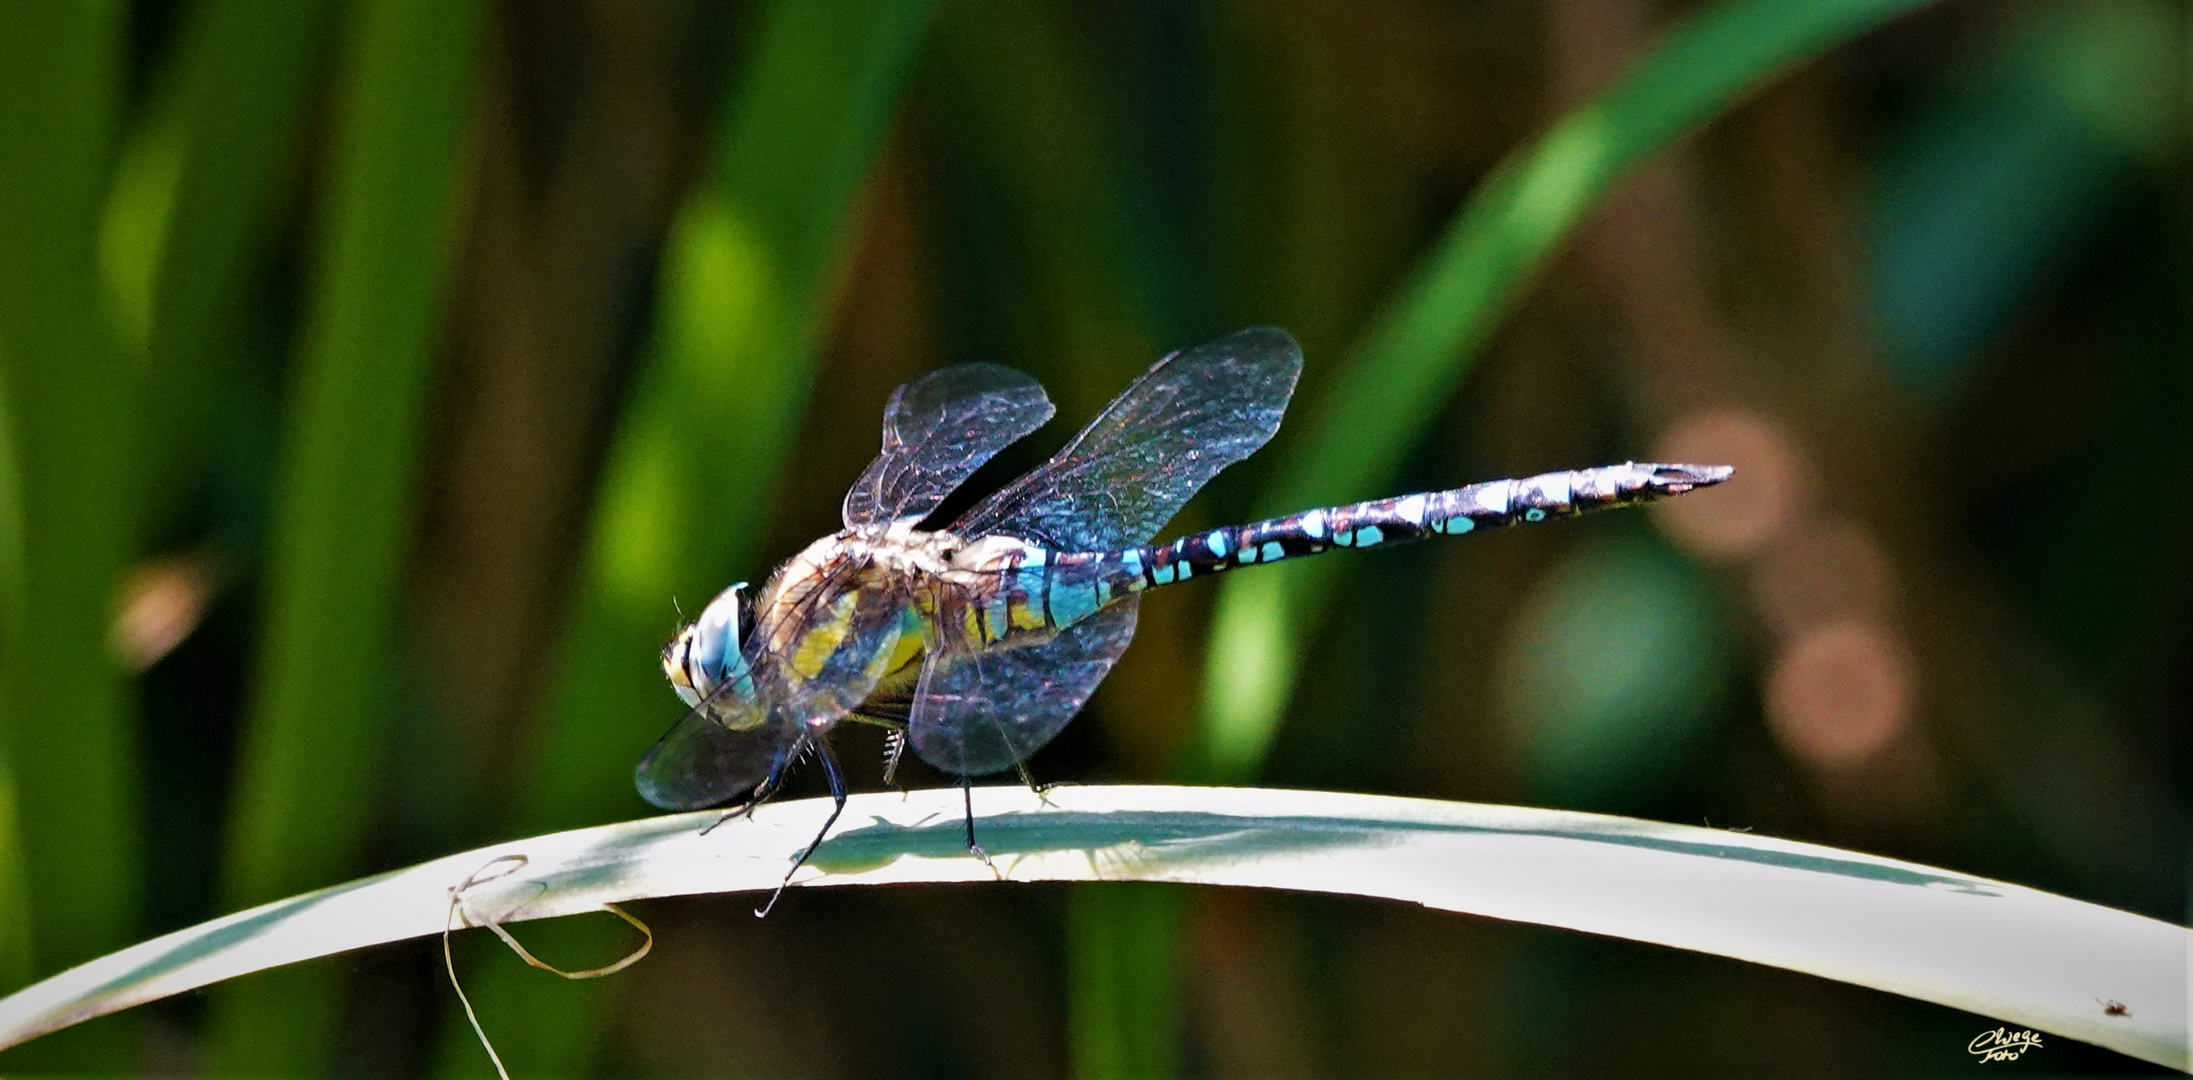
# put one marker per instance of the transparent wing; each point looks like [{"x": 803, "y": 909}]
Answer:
[
  {"x": 937, "y": 430},
  {"x": 984, "y": 712},
  {"x": 701, "y": 761},
  {"x": 1192, "y": 414}
]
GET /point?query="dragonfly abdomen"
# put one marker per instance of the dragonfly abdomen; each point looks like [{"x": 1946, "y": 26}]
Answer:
[
  {"x": 1408, "y": 518},
  {"x": 1047, "y": 591}
]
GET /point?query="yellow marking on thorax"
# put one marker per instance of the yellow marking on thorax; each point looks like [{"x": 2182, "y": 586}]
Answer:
[
  {"x": 998, "y": 615},
  {"x": 1025, "y": 615},
  {"x": 819, "y": 642},
  {"x": 909, "y": 646}
]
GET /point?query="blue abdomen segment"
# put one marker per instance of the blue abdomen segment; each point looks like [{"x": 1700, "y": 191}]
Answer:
[{"x": 1078, "y": 584}]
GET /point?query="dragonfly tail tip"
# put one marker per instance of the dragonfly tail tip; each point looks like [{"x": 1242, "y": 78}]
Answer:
[
  {"x": 1695, "y": 475},
  {"x": 1675, "y": 479}
]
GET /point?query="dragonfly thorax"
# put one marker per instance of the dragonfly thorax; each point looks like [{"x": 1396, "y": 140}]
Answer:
[
  {"x": 861, "y": 604},
  {"x": 897, "y": 550}
]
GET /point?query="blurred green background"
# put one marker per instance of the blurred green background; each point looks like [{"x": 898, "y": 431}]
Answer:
[{"x": 376, "y": 374}]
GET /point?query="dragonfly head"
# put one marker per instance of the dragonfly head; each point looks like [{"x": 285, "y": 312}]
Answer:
[{"x": 706, "y": 651}]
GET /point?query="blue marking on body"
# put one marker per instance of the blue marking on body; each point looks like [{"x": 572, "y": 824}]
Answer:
[
  {"x": 1069, "y": 607},
  {"x": 1460, "y": 524},
  {"x": 1248, "y": 554},
  {"x": 1369, "y": 535},
  {"x": 1313, "y": 524},
  {"x": 1272, "y": 550},
  {"x": 1345, "y": 539},
  {"x": 1162, "y": 574},
  {"x": 1216, "y": 541},
  {"x": 1034, "y": 556},
  {"x": 1186, "y": 571},
  {"x": 1132, "y": 560},
  {"x": 1534, "y": 514}
]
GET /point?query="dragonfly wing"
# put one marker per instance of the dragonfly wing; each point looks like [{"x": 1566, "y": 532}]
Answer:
[
  {"x": 1192, "y": 414},
  {"x": 701, "y": 761},
  {"x": 983, "y": 712},
  {"x": 937, "y": 431}
]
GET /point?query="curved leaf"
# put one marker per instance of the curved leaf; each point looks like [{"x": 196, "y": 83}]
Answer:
[{"x": 2016, "y": 954}]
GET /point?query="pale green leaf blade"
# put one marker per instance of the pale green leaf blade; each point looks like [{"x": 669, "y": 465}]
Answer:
[
  {"x": 65, "y": 717},
  {"x": 2021, "y": 956}
]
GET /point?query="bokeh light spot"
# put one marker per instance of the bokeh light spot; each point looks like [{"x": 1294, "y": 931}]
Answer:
[
  {"x": 1765, "y": 495},
  {"x": 1839, "y": 693},
  {"x": 158, "y": 605}
]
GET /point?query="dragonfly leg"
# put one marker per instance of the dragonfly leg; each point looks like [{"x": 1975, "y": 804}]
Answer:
[
  {"x": 967, "y": 798},
  {"x": 894, "y": 750},
  {"x": 1041, "y": 790},
  {"x": 894, "y": 740},
  {"x": 837, "y": 796}
]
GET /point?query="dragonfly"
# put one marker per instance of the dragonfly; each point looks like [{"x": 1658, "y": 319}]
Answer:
[{"x": 974, "y": 642}]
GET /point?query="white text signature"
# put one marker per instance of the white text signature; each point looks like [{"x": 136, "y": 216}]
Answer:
[{"x": 2002, "y": 1044}]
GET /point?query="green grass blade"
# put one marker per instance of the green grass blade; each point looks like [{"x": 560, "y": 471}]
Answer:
[
  {"x": 322, "y": 701},
  {"x": 1123, "y": 948},
  {"x": 16, "y": 946},
  {"x": 2022, "y": 956},
  {"x": 192, "y": 207},
  {"x": 15, "y": 924},
  {"x": 745, "y": 287},
  {"x": 1417, "y": 352},
  {"x": 65, "y": 723},
  {"x": 67, "y": 726}
]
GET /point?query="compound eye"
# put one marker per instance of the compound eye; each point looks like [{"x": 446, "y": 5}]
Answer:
[
  {"x": 677, "y": 666},
  {"x": 725, "y": 618},
  {"x": 744, "y": 623}
]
